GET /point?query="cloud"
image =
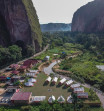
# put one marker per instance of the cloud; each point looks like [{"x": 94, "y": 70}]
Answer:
[{"x": 60, "y": 11}]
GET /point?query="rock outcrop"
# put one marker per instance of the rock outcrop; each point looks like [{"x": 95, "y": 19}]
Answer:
[
  {"x": 89, "y": 18},
  {"x": 19, "y": 24},
  {"x": 54, "y": 27}
]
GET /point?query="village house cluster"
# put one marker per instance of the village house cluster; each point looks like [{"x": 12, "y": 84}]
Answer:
[{"x": 12, "y": 95}]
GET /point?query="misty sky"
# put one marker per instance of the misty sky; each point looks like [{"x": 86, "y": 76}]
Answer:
[{"x": 57, "y": 11}]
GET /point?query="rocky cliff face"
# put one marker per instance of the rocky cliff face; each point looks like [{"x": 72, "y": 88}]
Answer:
[
  {"x": 19, "y": 24},
  {"x": 89, "y": 18},
  {"x": 54, "y": 27}
]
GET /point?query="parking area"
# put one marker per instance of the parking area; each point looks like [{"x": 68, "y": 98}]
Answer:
[{"x": 5, "y": 98}]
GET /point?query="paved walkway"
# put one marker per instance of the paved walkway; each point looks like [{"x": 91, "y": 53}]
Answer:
[{"x": 48, "y": 70}]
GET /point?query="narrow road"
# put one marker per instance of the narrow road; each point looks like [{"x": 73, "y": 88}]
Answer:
[
  {"x": 37, "y": 54},
  {"x": 48, "y": 70}
]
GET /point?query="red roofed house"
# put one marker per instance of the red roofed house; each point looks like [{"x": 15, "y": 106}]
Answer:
[
  {"x": 14, "y": 66},
  {"x": 29, "y": 63},
  {"x": 2, "y": 79},
  {"x": 22, "y": 68},
  {"x": 15, "y": 72},
  {"x": 21, "y": 98}
]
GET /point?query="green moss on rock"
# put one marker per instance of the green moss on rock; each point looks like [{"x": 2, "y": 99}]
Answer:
[{"x": 33, "y": 20}]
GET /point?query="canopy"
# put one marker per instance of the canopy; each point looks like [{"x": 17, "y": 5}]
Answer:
[
  {"x": 29, "y": 84},
  {"x": 32, "y": 80},
  {"x": 51, "y": 99},
  {"x": 61, "y": 99}
]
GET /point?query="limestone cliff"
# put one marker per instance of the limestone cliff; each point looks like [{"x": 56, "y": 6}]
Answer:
[
  {"x": 19, "y": 24},
  {"x": 89, "y": 18}
]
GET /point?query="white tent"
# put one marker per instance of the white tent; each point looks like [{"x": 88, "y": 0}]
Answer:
[
  {"x": 79, "y": 90},
  {"x": 75, "y": 86},
  {"x": 55, "y": 54},
  {"x": 38, "y": 98},
  {"x": 62, "y": 80},
  {"x": 69, "y": 99},
  {"x": 61, "y": 99},
  {"x": 48, "y": 79},
  {"x": 30, "y": 74},
  {"x": 33, "y": 71},
  {"x": 47, "y": 57},
  {"x": 51, "y": 99},
  {"x": 32, "y": 80},
  {"x": 29, "y": 84},
  {"x": 69, "y": 82},
  {"x": 55, "y": 79}
]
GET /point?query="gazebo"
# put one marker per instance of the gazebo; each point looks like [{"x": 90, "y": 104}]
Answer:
[
  {"x": 32, "y": 80},
  {"x": 61, "y": 99},
  {"x": 29, "y": 84},
  {"x": 51, "y": 99}
]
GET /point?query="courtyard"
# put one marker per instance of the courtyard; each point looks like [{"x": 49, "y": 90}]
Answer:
[{"x": 41, "y": 89}]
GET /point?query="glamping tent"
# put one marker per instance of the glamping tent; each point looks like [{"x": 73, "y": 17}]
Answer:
[
  {"x": 82, "y": 95},
  {"x": 48, "y": 79},
  {"x": 51, "y": 99},
  {"x": 55, "y": 79},
  {"x": 32, "y": 80},
  {"x": 29, "y": 84},
  {"x": 31, "y": 74},
  {"x": 47, "y": 58},
  {"x": 61, "y": 99},
  {"x": 33, "y": 71},
  {"x": 69, "y": 99},
  {"x": 79, "y": 90},
  {"x": 38, "y": 99},
  {"x": 62, "y": 81},
  {"x": 75, "y": 86},
  {"x": 68, "y": 83}
]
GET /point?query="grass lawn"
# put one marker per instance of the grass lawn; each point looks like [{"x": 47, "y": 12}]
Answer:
[
  {"x": 39, "y": 89},
  {"x": 56, "y": 50}
]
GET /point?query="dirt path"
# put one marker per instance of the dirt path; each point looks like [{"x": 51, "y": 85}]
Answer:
[
  {"x": 37, "y": 54},
  {"x": 48, "y": 70}
]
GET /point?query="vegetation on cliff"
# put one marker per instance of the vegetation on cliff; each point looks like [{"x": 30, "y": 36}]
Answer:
[{"x": 33, "y": 20}]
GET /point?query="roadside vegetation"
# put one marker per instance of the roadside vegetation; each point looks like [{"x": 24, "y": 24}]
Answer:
[
  {"x": 83, "y": 66},
  {"x": 44, "y": 106}
]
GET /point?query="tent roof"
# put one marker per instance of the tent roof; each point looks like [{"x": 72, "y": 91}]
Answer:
[
  {"x": 38, "y": 98},
  {"x": 48, "y": 79},
  {"x": 32, "y": 80},
  {"x": 69, "y": 99},
  {"x": 51, "y": 99},
  {"x": 61, "y": 99},
  {"x": 29, "y": 84},
  {"x": 21, "y": 96},
  {"x": 62, "y": 80},
  {"x": 69, "y": 82},
  {"x": 55, "y": 79}
]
